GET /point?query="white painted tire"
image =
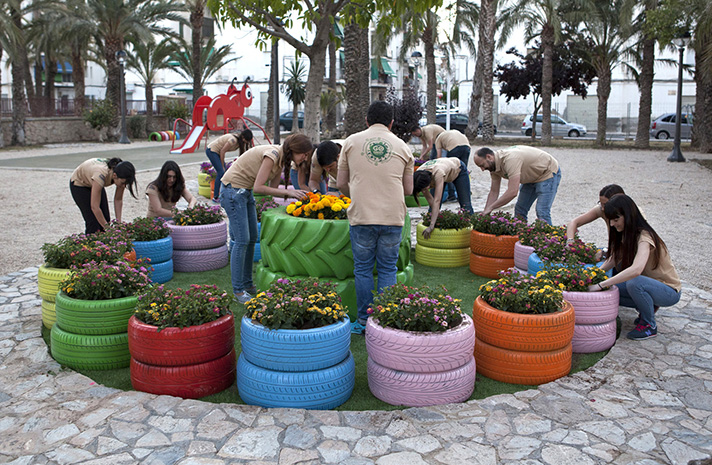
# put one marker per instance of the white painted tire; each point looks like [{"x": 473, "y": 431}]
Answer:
[
  {"x": 521, "y": 255},
  {"x": 594, "y": 338},
  {"x": 593, "y": 308},
  {"x": 196, "y": 237},
  {"x": 191, "y": 261}
]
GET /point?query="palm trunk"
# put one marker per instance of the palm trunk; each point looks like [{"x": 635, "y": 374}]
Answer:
[
  {"x": 356, "y": 78},
  {"x": 547, "y": 45},
  {"x": 196, "y": 37},
  {"x": 645, "y": 103},
  {"x": 149, "y": 108},
  {"x": 431, "y": 86},
  {"x": 50, "y": 73},
  {"x": 113, "y": 89},
  {"x": 604, "y": 91},
  {"x": 331, "y": 85},
  {"x": 19, "y": 104},
  {"x": 2, "y": 136},
  {"x": 295, "y": 119},
  {"x": 487, "y": 73},
  {"x": 476, "y": 97},
  {"x": 78, "y": 80},
  {"x": 271, "y": 91},
  {"x": 702, "y": 128}
]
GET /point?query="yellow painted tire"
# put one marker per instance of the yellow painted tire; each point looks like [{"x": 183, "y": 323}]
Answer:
[
  {"x": 48, "y": 280},
  {"x": 49, "y": 316},
  {"x": 205, "y": 191},
  {"x": 444, "y": 238},
  {"x": 442, "y": 258},
  {"x": 204, "y": 179}
]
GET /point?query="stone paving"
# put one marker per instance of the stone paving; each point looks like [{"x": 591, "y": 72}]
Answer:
[{"x": 646, "y": 402}]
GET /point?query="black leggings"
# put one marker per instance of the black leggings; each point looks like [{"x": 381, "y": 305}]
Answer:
[{"x": 82, "y": 197}]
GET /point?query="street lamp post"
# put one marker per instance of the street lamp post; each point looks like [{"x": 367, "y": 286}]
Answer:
[
  {"x": 415, "y": 59},
  {"x": 680, "y": 42},
  {"x": 275, "y": 90},
  {"x": 121, "y": 57}
]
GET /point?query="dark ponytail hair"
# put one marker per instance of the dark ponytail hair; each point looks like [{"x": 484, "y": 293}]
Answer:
[
  {"x": 171, "y": 194},
  {"x": 295, "y": 143},
  {"x": 611, "y": 190},
  {"x": 111, "y": 163},
  {"x": 125, "y": 170},
  {"x": 421, "y": 181}
]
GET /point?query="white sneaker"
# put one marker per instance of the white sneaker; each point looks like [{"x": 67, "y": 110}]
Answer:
[{"x": 243, "y": 297}]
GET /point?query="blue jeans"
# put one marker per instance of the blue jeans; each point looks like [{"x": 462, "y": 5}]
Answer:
[
  {"x": 239, "y": 204},
  {"x": 373, "y": 244},
  {"x": 462, "y": 186},
  {"x": 294, "y": 178},
  {"x": 642, "y": 293},
  {"x": 219, "y": 169},
  {"x": 543, "y": 192}
]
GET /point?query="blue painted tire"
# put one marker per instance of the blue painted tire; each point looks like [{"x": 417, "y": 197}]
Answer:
[
  {"x": 157, "y": 251},
  {"x": 258, "y": 251},
  {"x": 162, "y": 272},
  {"x": 535, "y": 264},
  {"x": 316, "y": 390},
  {"x": 295, "y": 349}
]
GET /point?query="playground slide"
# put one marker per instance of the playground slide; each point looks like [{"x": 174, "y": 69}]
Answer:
[{"x": 191, "y": 142}]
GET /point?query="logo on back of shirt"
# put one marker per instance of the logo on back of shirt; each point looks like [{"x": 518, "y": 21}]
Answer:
[{"x": 377, "y": 150}]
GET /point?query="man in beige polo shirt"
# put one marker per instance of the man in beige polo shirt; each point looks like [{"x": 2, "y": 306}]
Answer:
[
  {"x": 376, "y": 171},
  {"x": 427, "y": 135},
  {"x": 533, "y": 172},
  {"x": 452, "y": 144}
]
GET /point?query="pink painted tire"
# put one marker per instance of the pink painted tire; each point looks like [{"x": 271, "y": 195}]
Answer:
[
  {"x": 196, "y": 237},
  {"x": 422, "y": 389},
  {"x": 191, "y": 261},
  {"x": 420, "y": 352},
  {"x": 594, "y": 338},
  {"x": 164, "y": 136},
  {"x": 288, "y": 200},
  {"x": 593, "y": 308},
  {"x": 521, "y": 255}
]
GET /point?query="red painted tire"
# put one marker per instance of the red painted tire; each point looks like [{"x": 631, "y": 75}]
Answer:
[
  {"x": 443, "y": 238},
  {"x": 422, "y": 389},
  {"x": 188, "y": 381},
  {"x": 489, "y": 245},
  {"x": 191, "y": 261},
  {"x": 420, "y": 352},
  {"x": 593, "y": 308},
  {"x": 198, "y": 237},
  {"x": 519, "y": 367},
  {"x": 516, "y": 331},
  {"x": 181, "y": 346},
  {"x": 489, "y": 267},
  {"x": 521, "y": 255},
  {"x": 594, "y": 338}
]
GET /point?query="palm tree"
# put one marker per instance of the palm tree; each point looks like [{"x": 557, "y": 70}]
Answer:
[
  {"x": 482, "y": 86},
  {"x": 211, "y": 61},
  {"x": 14, "y": 44},
  {"x": 357, "y": 68},
  {"x": 646, "y": 53},
  {"x": 196, "y": 9},
  {"x": 45, "y": 34},
  {"x": 295, "y": 88},
  {"x": 146, "y": 59}
]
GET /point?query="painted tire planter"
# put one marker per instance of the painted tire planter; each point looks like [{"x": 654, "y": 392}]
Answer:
[
  {"x": 161, "y": 272},
  {"x": 596, "y": 314},
  {"x": 191, "y": 261},
  {"x": 204, "y": 179},
  {"x": 490, "y": 245},
  {"x": 535, "y": 264},
  {"x": 188, "y": 381},
  {"x": 155, "y": 137},
  {"x": 205, "y": 191},
  {"x": 444, "y": 238},
  {"x": 198, "y": 237},
  {"x": 521, "y": 255},
  {"x": 420, "y": 352},
  {"x": 410, "y": 201},
  {"x": 519, "y": 367},
  {"x": 258, "y": 251},
  {"x": 488, "y": 267},
  {"x": 320, "y": 389},
  {"x": 441, "y": 258},
  {"x": 421, "y": 389},
  {"x": 281, "y": 200},
  {"x": 594, "y": 338},
  {"x": 49, "y": 315},
  {"x": 160, "y": 252},
  {"x": 181, "y": 346},
  {"x": 94, "y": 317},
  {"x": 82, "y": 352},
  {"x": 48, "y": 280},
  {"x": 293, "y": 349}
]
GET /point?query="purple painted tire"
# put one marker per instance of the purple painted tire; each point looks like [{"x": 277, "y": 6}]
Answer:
[
  {"x": 421, "y": 389},
  {"x": 197, "y": 237},
  {"x": 594, "y": 338},
  {"x": 190, "y": 261},
  {"x": 593, "y": 308},
  {"x": 420, "y": 352},
  {"x": 521, "y": 255}
]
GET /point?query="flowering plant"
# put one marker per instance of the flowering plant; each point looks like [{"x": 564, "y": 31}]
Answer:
[
  {"x": 102, "y": 280},
  {"x": 497, "y": 223},
  {"x": 109, "y": 245},
  {"x": 576, "y": 278},
  {"x": 147, "y": 229},
  {"x": 323, "y": 207},
  {"x": 529, "y": 234},
  {"x": 296, "y": 304},
  {"x": 416, "y": 309},
  {"x": 517, "y": 293},
  {"x": 207, "y": 168},
  {"x": 199, "y": 214},
  {"x": 555, "y": 249},
  {"x": 448, "y": 219},
  {"x": 263, "y": 204},
  {"x": 178, "y": 308}
]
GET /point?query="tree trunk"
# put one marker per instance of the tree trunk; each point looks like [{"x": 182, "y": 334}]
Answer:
[
  {"x": 547, "y": 71},
  {"x": 487, "y": 72},
  {"x": 331, "y": 85},
  {"x": 604, "y": 91},
  {"x": 2, "y": 137},
  {"x": 356, "y": 77},
  {"x": 19, "y": 104},
  {"x": 149, "y": 108},
  {"x": 295, "y": 119},
  {"x": 113, "y": 86},
  {"x": 196, "y": 37},
  {"x": 476, "y": 97},
  {"x": 78, "y": 80},
  {"x": 645, "y": 103},
  {"x": 50, "y": 73},
  {"x": 31, "y": 95},
  {"x": 702, "y": 127},
  {"x": 431, "y": 90}
]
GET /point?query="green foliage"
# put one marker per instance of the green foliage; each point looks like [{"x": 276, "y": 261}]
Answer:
[
  {"x": 101, "y": 114},
  {"x": 137, "y": 126},
  {"x": 670, "y": 19},
  {"x": 517, "y": 293},
  {"x": 263, "y": 204},
  {"x": 178, "y": 308},
  {"x": 199, "y": 214},
  {"x": 212, "y": 59},
  {"x": 529, "y": 234},
  {"x": 574, "y": 278},
  {"x": 296, "y": 87},
  {"x": 555, "y": 249},
  {"x": 497, "y": 223},
  {"x": 407, "y": 112},
  {"x": 448, "y": 219},
  {"x": 147, "y": 229},
  {"x": 416, "y": 309},
  {"x": 77, "y": 249},
  {"x": 103, "y": 280},
  {"x": 174, "y": 109},
  {"x": 296, "y": 304}
]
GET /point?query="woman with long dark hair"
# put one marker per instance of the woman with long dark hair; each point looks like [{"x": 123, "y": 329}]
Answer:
[
  {"x": 260, "y": 169},
  {"x": 166, "y": 190},
  {"x": 88, "y": 183},
  {"x": 596, "y": 212},
  {"x": 644, "y": 273}
]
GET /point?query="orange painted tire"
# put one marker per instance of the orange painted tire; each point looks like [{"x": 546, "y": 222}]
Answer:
[
  {"x": 519, "y": 367},
  {"x": 489, "y": 245},
  {"x": 489, "y": 267},
  {"x": 525, "y": 332},
  {"x": 443, "y": 238}
]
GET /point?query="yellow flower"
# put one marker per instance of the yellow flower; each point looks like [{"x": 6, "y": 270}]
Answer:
[
  {"x": 336, "y": 207},
  {"x": 290, "y": 208}
]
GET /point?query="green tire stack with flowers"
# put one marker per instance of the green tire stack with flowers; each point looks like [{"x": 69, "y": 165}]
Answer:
[
  {"x": 492, "y": 243},
  {"x": 205, "y": 177},
  {"x": 448, "y": 244},
  {"x": 152, "y": 241},
  {"x": 199, "y": 239}
]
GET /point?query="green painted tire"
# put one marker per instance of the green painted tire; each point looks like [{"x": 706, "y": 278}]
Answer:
[
  {"x": 410, "y": 202},
  {"x": 205, "y": 191},
  {"x": 155, "y": 137},
  {"x": 444, "y": 238},
  {"x": 442, "y": 258},
  {"x": 204, "y": 179},
  {"x": 48, "y": 280},
  {"x": 49, "y": 316},
  {"x": 346, "y": 288},
  {"x": 94, "y": 317},
  {"x": 82, "y": 352}
]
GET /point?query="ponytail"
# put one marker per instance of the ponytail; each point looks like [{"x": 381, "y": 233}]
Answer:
[{"x": 125, "y": 170}]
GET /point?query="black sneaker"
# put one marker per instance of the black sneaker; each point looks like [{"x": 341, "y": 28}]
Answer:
[
  {"x": 642, "y": 332},
  {"x": 636, "y": 322}
]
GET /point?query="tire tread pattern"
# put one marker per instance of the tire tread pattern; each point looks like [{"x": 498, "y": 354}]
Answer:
[
  {"x": 94, "y": 317},
  {"x": 444, "y": 238},
  {"x": 594, "y": 338},
  {"x": 441, "y": 258},
  {"x": 197, "y": 237},
  {"x": 84, "y": 352},
  {"x": 521, "y": 255},
  {"x": 489, "y": 267},
  {"x": 190, "y": 261},
  {"x": 490, "y": 245},
  {"x": 48, "y": 280}
]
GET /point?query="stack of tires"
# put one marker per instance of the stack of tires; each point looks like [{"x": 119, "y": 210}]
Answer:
[
  {"x": 199, "y": 247},
  {"x": 491, "y": 254},
  {"x": 445, "y": 248},
  {"x": 205, "y": 183},
  {"x": 292, "y": 368},
  {"x": 160, "y": 254},
  {"x": 596, "y": 314},
  {"x": 48, "y": 280},
  {"x": 92, "y": 334}
]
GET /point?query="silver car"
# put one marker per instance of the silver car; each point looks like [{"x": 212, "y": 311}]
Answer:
[
  {"x": 559, "y": 127},
  {"x": 663, "y": 127}
]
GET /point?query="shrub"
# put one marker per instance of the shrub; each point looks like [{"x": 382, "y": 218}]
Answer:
[
  {"x": 528, "y": 234},
  {"x": 174, "y": 109},
  {"x": 448, "y": 219},
  {"x": 137, "y": 126},
  {"x": 179, "y": 308},
  {"x": 497, "y": 223},
  {"x": 77, "y": 249},
  {"x": 517, "y": 293},
  {"x": 101, "y": 115},
  {"x": 323, "y": 207},
  {"x": 416, "y": 309},
  {"x": 103, "y": 280},
  {"x": 147, "y": 229},
  {"x": 200, "y": 214}
]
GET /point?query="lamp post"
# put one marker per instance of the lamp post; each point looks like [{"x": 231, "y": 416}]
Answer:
[
  {"x": 275, "y": 90},
  {"x": 680, "y": 42},
  {"x": 121, "y": 57},
  {"x": 415, "y": 59}
]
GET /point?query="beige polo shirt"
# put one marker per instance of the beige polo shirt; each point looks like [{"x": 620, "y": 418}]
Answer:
[
  {"x": 152, "y": 190},
  {"x": 228, "y": 140},
  {"x": 665, "y": 272},
  {"x": 317, "y": 169},
  {"x": 447, "y": 169},
  {"x": 94, "y": 169},
  {"x": 531, "y": 164},
  {"x": 448, "y": 140},
  {"x": 430, "y": 132},
  {"x": 376, "y": 160},
  {"x": 243, "y": 172}
]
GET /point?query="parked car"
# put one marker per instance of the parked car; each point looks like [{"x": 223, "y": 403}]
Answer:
[
  {"x": 559, "y": 127},
  {"x": 458, "y": 121},
  {"x": 663, "y": 127},
  {"x": 285, "y": 120}
]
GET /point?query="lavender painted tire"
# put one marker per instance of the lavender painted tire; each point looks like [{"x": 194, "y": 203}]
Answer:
[
  {"x": 196, "y": 237},
  {"x": 421, "y": 389},
  {"x": 521, "y": 255},
  {"x": 190, "y": 261},
  {"x": 594, "y": 338},
  {"x": 593, "y": 308}
]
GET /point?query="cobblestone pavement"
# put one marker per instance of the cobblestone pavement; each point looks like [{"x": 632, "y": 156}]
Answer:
[{"x": 646, "y": 402}]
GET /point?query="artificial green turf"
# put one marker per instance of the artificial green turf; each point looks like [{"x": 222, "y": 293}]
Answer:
[{"x": 460, "y": 283}]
